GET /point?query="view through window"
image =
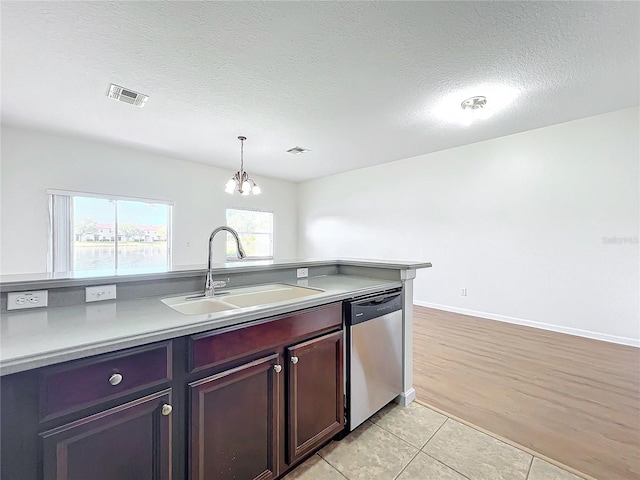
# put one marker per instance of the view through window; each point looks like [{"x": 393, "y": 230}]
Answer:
[
  {"x": 107, "y": 233},
  {"x": 119, "y": 234},
  {"x": 255, "y": 228}
]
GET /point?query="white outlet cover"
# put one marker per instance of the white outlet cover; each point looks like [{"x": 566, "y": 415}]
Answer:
[
  {"x": 100, "y": 293},
  {"x": 302, "y": 273},
  {"x": 22, "y": 300}
]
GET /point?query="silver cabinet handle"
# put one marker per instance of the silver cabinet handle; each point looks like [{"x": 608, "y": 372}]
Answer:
[
  {"x": 277, "y": 368},
  {"x": 115, "y": 379},
  {"x": 294, "y": 360},
  {"x": 166, "y": 409}
]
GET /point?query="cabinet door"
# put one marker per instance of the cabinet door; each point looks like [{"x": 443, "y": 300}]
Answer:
[
  {"x": 128, "y": 442},
  {"x": 316, "y": 404},
  {"x": 234, "y": 418}
]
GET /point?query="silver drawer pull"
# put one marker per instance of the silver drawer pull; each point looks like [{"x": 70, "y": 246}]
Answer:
[
  {"x": 277, "y": 368},
  {"x": 115, "y": 379},
  {"x": 166, "y": 409},
  {"x": 294, "y": 360}
]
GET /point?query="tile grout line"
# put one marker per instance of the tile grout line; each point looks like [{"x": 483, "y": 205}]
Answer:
[
  {"x": 530, "y": 465},
  {"x": 448, "y": 466},
  {"x": 403, "y": 440},
  {"x": 400, "y": 438},
  {"x": 408, "y": 463},
  {"x": 419, "y": 448},
  {"x": 434, "y": 433},
  {"x": 509, "y": 442},
  {"x": 431, "y": 456},
  {"x": 391, "y": 433},
  {"x": 339, "y": 472},
  {"x": 328, "y": 463}
]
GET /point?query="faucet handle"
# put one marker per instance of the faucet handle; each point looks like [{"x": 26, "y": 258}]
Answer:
[{"x": 219, "y": 283}]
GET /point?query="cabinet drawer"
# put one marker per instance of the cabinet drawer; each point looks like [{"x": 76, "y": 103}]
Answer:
[
  {"x": 84, "y": 383},
  {"x": 224, "y": 345}
]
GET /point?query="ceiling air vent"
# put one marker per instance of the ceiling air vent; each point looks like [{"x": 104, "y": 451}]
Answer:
[
  {"x": 127, "y": 96},
  {"x": 298, "y": 150}
]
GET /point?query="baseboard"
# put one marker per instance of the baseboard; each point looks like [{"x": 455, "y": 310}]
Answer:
[
  {"x": 633, "y": 342},
  {"x": 405, "y": 398}
]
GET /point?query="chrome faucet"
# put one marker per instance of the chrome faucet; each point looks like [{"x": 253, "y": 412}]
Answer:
[{"x": 210, "y": 285}]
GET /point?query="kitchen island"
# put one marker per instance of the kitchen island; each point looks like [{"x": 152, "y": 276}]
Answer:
[{"x": 182, "y": 388}]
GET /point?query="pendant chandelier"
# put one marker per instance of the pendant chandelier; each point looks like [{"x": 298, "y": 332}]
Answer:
[{"x": 241, "y": 182}]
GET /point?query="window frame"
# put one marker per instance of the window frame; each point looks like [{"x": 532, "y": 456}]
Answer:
[
  {"x": 61, "y": 235},
  {"x": 233, "y": 257}
]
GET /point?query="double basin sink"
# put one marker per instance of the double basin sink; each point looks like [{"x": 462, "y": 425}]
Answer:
[{"x": 239, "y": 298}]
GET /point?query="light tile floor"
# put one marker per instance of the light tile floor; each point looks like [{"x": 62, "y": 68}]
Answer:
[{"x": 417, "y": 443}]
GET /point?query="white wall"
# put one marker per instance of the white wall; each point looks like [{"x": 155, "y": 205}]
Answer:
[
  {"x": 519, "y": 221},
  {"x": 33, "y": 161}
]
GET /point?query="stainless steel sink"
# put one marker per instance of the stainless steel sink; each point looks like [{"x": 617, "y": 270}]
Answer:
[{"x": 240, "y": 298}]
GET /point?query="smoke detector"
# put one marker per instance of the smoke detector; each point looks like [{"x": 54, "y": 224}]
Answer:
[
  {"x": 298, "y": 150},
  {"x": 127, "y": 96}
]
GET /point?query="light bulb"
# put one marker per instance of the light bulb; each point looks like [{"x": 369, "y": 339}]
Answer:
[
  {"x": 230, "y": 186},
  {"x": 256, "y": 190},
  {"x": 246, "y": 188}
]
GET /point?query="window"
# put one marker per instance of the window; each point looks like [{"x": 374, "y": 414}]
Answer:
[
  {"x": 92, "y": 232},
  {"x": 255, "y": 228}
]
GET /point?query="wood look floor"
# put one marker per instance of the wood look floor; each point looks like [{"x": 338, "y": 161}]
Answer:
[{"x": 573, "y": 399}]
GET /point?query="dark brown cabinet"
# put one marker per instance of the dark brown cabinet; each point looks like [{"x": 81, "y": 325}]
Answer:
[
  {"x": 234, "y": 417},
  {"x": 107, "y": 417},
  {"x": 275, "y": 395},
  {"x": 128, "y": 442},
  {"x": 243, "y": 402},
  {"x": 235, "y": 427},
  {"x": 315, "y": 394}
]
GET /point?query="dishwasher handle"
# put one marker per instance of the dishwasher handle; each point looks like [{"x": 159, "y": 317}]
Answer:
[{"x": 370, "y": 308}]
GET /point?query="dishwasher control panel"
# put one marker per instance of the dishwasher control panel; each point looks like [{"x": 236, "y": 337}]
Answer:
[{"x": 362, "y": 310}]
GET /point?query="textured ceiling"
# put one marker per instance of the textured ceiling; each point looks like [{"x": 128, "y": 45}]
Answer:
[{"x": 358, "y": 83}]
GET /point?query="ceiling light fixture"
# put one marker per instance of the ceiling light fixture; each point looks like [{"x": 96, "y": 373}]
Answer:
[
  {"x": 298, "y": 150},
  {"x": 474, "y": 103},
  {"x": 448, "y": 109},
  {"x": 241, "y": 181},
  {"x": 474, "y": 106}
]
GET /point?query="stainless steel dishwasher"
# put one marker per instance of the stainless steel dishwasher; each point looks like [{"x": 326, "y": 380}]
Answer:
[{"x": 374, "y": 354}]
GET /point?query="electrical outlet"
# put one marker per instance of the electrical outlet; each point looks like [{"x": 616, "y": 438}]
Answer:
[
  {"x": 20, "y": 300},
  {"x": 99, "y": 293},
  {"x": 302, "y": 273},
  {"x": 463, "y": 292}
]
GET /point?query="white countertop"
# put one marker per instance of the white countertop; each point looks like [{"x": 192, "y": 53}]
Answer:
[{"x": 39, "y": 337}]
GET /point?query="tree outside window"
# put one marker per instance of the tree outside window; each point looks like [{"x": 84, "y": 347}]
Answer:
[{"x": 255, "y": 228}]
